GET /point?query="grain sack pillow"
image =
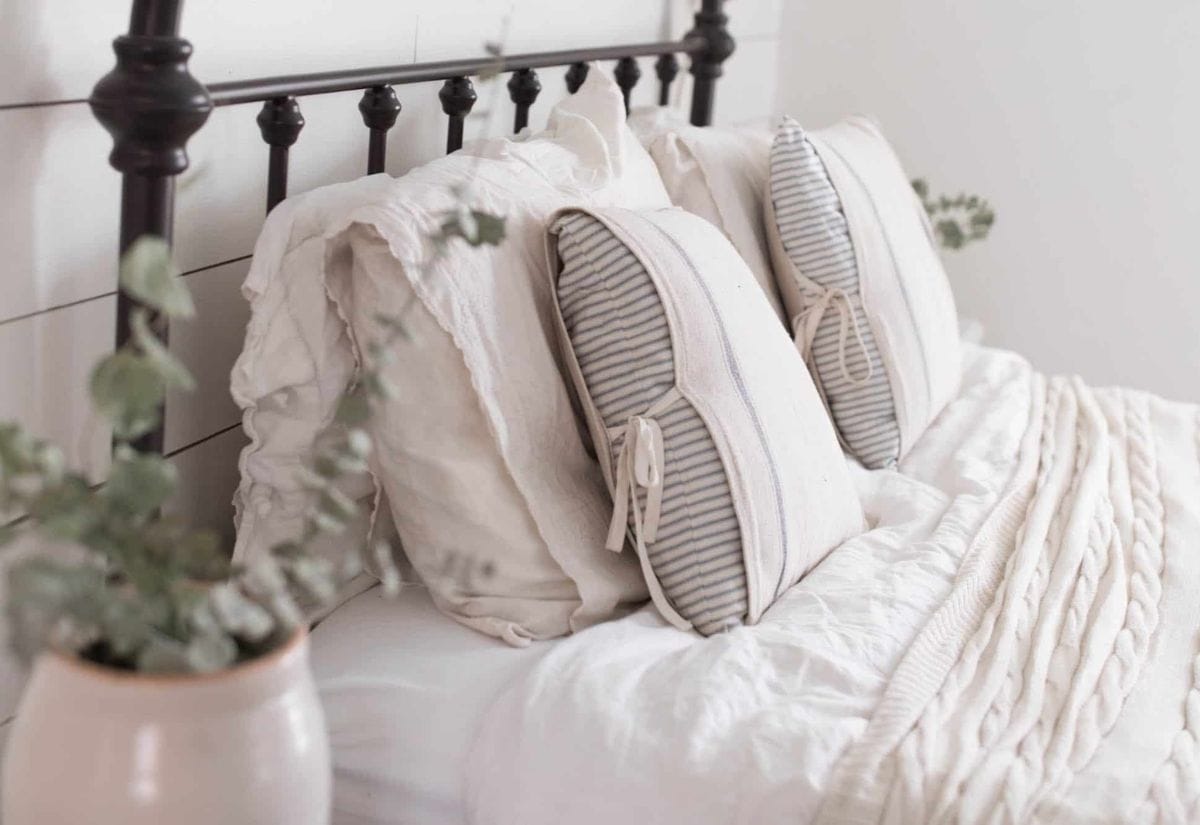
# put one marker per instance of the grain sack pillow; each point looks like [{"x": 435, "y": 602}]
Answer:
[
  {"x": 871, "y": 308},
  {"x": 723, "y": 467}
]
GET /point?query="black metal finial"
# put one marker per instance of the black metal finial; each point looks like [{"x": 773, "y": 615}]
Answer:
[
  {"x": 667, "y": 68},
  {"x": 627, "y": 75},
  {"x": 523, "y": 89},
  {"x": 150, "y": 104},
  {"x": 379, "y": 108},
  {"x": 458, "y": 96},
  {"x": 280, "y": 123},
  {"x": 712, "y": 26},
  {"x": 575, "y": 76}
]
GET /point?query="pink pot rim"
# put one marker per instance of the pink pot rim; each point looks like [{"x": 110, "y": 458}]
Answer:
[{"x": 271, "y": 659}]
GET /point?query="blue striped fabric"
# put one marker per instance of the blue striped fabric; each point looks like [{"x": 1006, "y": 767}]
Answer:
[
  {"x": 618, "y": 329},
  {"x": 816, "y": 239}
]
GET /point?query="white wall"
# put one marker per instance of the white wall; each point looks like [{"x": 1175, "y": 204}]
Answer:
[
  {"x": 59, "y": 199},
  {"x": 1079, "y": 120}
]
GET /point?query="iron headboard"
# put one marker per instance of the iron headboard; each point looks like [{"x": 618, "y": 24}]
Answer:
[{"x": 152, "y": 105}]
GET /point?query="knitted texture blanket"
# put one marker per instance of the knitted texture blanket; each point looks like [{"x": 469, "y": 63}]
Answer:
[{"x": 1058, "y": 680}]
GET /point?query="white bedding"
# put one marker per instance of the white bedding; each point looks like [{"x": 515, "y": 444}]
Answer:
[
  {"x": 848, "y": 696},
  {"x": 404, "y": 689}
]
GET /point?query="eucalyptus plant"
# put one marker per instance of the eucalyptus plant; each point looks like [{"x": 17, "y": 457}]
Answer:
[
  {"x": 957, "y": 220},
  {"x": 138, "y": 588}
]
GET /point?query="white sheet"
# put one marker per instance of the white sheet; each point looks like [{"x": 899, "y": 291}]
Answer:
[{"x": 404, "y": 689}]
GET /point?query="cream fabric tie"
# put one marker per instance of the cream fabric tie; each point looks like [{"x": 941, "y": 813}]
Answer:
[
  {"x": 818, "y": 301},
  {"x": 640, "y": 467}
]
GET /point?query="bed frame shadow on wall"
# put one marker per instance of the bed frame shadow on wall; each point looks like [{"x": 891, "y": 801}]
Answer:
[{"x": 152, "y": 105}]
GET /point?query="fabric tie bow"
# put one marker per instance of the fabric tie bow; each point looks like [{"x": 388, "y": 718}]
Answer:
[
  {"x": 640, "y": 467},
  {"x": 818, "y": 301}
]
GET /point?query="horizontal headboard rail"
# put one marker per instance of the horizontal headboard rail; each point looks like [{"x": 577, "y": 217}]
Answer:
[{"x": 302, "y": 85}]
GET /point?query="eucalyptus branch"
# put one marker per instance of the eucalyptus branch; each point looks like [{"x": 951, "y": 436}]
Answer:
[{"x": 957, "y": 220}]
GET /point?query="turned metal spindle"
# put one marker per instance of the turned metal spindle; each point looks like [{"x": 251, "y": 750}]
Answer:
[
  {"x": 627, "y": 75},
  {"x": 151, "y": 105},
  {"x": 666, "y": 67},
  {"x": 575, "y": 76},
  {"x": 280, "y": 123},
  {"x": 379, "y": 109},
  {"x": 712, "y": 26},
  {"x": 523, "y": 89},
  {"x": 458, "y": 96}
]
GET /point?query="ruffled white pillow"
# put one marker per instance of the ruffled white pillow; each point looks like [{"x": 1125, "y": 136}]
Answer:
[{"x": 498, "y": 503}]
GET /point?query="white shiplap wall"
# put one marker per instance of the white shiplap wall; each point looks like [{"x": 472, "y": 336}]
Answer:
[{"x": 59, "y": 199}]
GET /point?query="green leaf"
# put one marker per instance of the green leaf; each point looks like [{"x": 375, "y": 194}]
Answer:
[
  {"x": 359, "y": 443},
  {"x": 337, "y": 504},
  {"x": 207, "y": 652},
  {"x": 201, "y": 556},
  {"x": 170, "y": 368},
  {"x": 163, "y": 655},
  {"x": 385, "y": 568},
  {"x": 951, "y": 234},
  {"x": 139, "y": 483},
  {"x": 149, "y": 275},
  {"x": 128, "y": 390},
  {"x": 314, "y": 577},
  {"x": 476, "y": 227},
  {"x": 240, "y": 615},
  {"x": 353, "y": 410},
  {"x": 921, "y": 187},
  {"x": 68, "y": 510},
  {"x": 17, "y": 449}
]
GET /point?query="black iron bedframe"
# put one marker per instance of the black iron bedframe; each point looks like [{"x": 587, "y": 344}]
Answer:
[{"x": 152, "y": 105}]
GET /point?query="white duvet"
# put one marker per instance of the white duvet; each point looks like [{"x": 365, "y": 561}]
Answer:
[{"x": 1015, "y": 640}]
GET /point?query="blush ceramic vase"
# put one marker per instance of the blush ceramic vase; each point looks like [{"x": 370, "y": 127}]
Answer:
[{"x": 245, "y": 746}]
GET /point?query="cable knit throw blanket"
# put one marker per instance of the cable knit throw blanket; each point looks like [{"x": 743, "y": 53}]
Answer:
[
  {"x": 1058, "y": 682},
  {"x": 1017, "y": 640}
]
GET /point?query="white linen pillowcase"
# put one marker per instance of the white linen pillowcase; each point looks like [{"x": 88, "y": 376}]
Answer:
[
  {"x": 482, "y": 458},
  {"x": 721, "y": 461},
  {"x": 871, "y": 307},
  {"x": 718, "y": 173}
]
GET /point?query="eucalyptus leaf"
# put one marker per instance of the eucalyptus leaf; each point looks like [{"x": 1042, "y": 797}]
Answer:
[
  {"x": 476, "y": 227},
  {"x": 207, "y": 652},
  {"x": 128, "y": 390},
  {"x": 139, "y": 483},
  {"x": 239, "y": 615},
  {"x": 149, "y": 275},
  {"x": 315, "y": 578},
  {"x": 163, "y": 655},
  {"x": 353, "y": 409},
  {"x": 170, "y": 368},
  {"x": 67, "y": 510},
  {"x": 385, "y": 566}
]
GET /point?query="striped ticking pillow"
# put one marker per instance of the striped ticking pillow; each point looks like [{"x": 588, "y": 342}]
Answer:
[
  {"x": 618, "y": 329},
  {"x": 672, "y": 489},
  {"x": 826, "y": 266},
  {"x": 813, "y": 231}
]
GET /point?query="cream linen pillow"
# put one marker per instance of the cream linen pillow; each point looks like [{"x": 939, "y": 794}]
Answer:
[
  {"x": 719, "y": 174},
  {"x": 871, "y": 306},
  {"x": 481, "y": 457},
  {"x": 721, "y": 461}
]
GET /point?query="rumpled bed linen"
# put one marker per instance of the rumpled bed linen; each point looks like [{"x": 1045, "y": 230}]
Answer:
[{"x": 1015, "y": 640}]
